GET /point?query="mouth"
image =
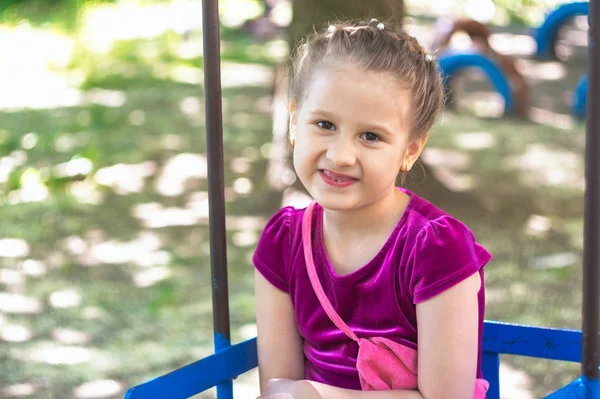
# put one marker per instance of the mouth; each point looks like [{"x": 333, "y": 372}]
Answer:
[{"x": 336, "y": 179}]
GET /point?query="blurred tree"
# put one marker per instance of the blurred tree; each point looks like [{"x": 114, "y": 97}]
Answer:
[{"x": 317, "y": 13}]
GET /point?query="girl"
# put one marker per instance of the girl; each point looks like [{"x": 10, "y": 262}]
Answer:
[{"x": 363, "y": 100}]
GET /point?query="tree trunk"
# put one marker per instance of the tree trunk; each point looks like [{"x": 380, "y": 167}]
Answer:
[{"x": 317, "y": 14}]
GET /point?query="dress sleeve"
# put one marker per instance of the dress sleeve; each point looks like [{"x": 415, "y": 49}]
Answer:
[
  {"x": 271, "y": 257},
  {"x": 445, "y": 253}
]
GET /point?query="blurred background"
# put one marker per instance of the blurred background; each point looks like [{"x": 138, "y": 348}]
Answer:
[{"x": 104, "y": 254}]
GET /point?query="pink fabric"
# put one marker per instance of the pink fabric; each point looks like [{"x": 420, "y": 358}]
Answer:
[
  {"x": 382, "y": 364},
  {"x": 428, "y": 252}
]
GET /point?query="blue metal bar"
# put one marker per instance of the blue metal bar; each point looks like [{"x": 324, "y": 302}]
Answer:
[
  {"x": 201, "y": 375},
  {"x": 546, "y": 343},
  {"x": 490, "y": 367},
  {"x": 581, "y": 388}
]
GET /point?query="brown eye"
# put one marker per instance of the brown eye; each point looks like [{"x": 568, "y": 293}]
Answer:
[
  {"x": 372, "y": 137},
  {"x": 325, "y": 125}
]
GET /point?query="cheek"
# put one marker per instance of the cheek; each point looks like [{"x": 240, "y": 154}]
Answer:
[{"x": 384, "y": 166}]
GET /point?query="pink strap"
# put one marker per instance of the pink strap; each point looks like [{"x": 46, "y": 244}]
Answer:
[{"x": 314, "y": 279}]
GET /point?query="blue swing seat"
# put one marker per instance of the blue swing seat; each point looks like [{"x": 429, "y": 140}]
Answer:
[{"x": 498, "y": 338}]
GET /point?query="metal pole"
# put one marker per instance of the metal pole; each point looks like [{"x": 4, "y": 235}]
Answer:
[
  {"x": 216, "y": 195},
  {"x": 591, "y": 253}
]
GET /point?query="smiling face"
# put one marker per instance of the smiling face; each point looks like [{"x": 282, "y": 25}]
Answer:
[{"x": 352, "y": 137}]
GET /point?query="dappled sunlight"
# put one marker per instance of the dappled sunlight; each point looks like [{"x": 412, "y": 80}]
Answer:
[
  {"x": 178, "y": 170},
  {"x": 553, "y": 261},
  {"x": 236, "y": 75},
  {"x": 64, "y": 299},
  {"x": 446, "y": 158},
  {"x": 18, "y": 390},
  {"x": 245, "y": 222},
  {"x": 240, "y": 165},
  {"x": 15, "y": 333},
  {"x": 454, "y": 181},
  {"x": 550, "y": 118},
  {"x": 189, "y": 49},
  {"x": 575, "y": 37},
  {"x": 20, "y": 304},
  {"x": 75, "y": 167},
  {"x": 149, "y": 277},
  {"x": 154, "y": 215},
  {"x": 105, "y": 97},
  {"x": 11, "y": 277},
  {"x": 513, "y": 44},
  {"x": 94, "y": 313},
  {"x": 485, "y": 104},
  {"x": 515, "y": 383},
  {"x": 126, "y": 178},
  {"x": 32, "y": 188},
  {"x": 86, "y": 192},
  {"x": 13, "y": 248},
  {"x": 245, "y": 238},
  {"x": 234, "y": 13},
  {"x": 542, "y": 165},
  {"x": 103, "y": 25},
  {"x": 144, "y": 251},
  {"x": 277, "y": 50},
  {"x": 474, "y": 140},
  {"x": 191, "y": 106},
  {"x": 98, "y": 389},
  {"x": 248, "y": 331},
  {"x": 33, "y": 268},
  {"x": 538, "y": 225},
  {"x": 29, "y": 78},
  {"x": 242, "y": 186},
  {"x": 186, "y": 74},
  {"x": 552, "y": 70},
  {"x": 50, "y": 353},
  {"x": 68, "y": 336}
]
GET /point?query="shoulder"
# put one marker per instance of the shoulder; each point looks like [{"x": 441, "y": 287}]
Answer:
[
  {"x": 277, "y": 240},
  {"x": 443, "y": 251}
]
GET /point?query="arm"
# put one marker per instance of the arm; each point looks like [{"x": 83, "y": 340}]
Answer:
[
  {"x": 280, "y": 353},
  {"x": 448, "y": 336},
  {"x": 448, "y": 341}
]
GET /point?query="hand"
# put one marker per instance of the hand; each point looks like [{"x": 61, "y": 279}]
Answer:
[{"x": 288, "y": 389}]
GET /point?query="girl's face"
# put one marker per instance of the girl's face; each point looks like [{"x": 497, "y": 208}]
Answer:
[{"x": 351, "y": 137}]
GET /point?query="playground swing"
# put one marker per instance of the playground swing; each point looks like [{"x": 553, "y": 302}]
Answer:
[{"x": 229, "y": 361}]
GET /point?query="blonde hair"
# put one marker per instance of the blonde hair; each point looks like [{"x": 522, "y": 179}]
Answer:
[{"x": 374, "y": 47}]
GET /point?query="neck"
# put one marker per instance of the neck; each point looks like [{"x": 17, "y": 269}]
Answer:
[{"x": 370, "y": 218}]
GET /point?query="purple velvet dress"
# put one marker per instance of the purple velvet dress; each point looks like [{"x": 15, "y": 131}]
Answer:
[{"x": 428, "y": 252}]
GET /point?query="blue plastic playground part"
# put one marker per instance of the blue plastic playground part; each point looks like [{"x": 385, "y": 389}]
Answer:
[
  {"x": 451, "y": 62},
  {"x": 498, "y": 338},
  {"x": 579, "y": 98},
  {"x": 545, "y": 35}
]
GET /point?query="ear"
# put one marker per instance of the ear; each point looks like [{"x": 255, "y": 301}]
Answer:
[
  {"x": 413, "y": 151},
  {"x": 293, "y": 119}
]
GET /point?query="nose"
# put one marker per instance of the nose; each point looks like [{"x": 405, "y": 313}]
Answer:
[{"x": 341, "y": 152}]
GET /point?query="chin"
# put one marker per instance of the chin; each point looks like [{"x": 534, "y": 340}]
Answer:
[{"x": 335, "y": 202}]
